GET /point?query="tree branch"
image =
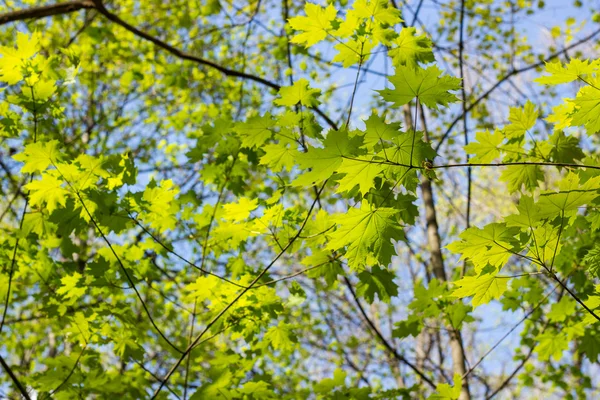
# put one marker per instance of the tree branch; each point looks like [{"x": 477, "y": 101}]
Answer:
[
  {"x": 383, "y": 340},
  {"x": 507, "y": 77},
  {"x": 221, "y": 313},
  {"x": 45, "y": 11},
  {"x": 14, "y": 378},
  {"x": 68, "y": 7}
]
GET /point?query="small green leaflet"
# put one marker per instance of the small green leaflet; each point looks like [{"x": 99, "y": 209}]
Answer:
[
  {"x": 69, "y": 288},
  {"x": 160, "y": 205},
  {"x": 281, "y": 337},
  {"x": 353, "y": 51},
  {"x": 328, "y": 385},
  {"x": 585, "y": 108},
  {"x": 404, "y": 146},
  {"x": 566, "y": 149},
  {"x": 562, "y": 309},
  {"x": 409, "y": 327}
]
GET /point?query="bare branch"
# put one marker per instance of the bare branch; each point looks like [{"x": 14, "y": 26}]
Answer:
[{"x": 45, "y": 11}]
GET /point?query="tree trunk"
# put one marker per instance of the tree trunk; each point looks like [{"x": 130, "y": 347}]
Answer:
[{"x": 437, "y": 261}]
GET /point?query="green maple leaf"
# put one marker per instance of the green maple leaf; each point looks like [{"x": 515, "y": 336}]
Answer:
[
  {"x": 376, "y": 282},
  {"x": 328, "y": 385},
  {"x": 408, "y": 149},
  {"x": 258, "y": 390},
  {"x": 486, "y": 148},
  {"x": 408, "y": 210},
  {"x": 411, "y": 48},
  {"x": 522, "y": 119},
  {"x": 216, "y": 389},
  {"x": 379, "y": 10},
  {"x": 569, "y": 73},
  {"x": 11, "y": 63},
  {"x": 407, "y": 145},
  {"x": 528, "y": 214},
  {"x": 279, "y": 156},
  {"x": 565, "y": 148},
  {"x": 409, "y": 327},
  {"x": 368, "y": 232},
  {"x": 325, "y": 161},
  {"x": 377, "y": 131},
  {"x": 240, "y": 210},
  {"x": 160, "y": 205},
  {"x": 126, "y": 346},
  {"x": 42, "y": 91},
  {"x": 426, "y": 85},
  {"x": 37, "y": 223},
  {"x": 570, "y": 197},
  {"x": 281, "y": 337},
  {"x": 299, "y": 92},
  {"x": 458, "y": 313},
  {"x": 546, "y": 243},
  {"x": 592, "y": 261},
  {"x": 48, "y": 191},
  {"x": 353, "y": 51},
  {"x": 425, "y": 298},
  {"x": 587, "y": 112},
  {"x": 446, "y": 392},
  {"x": 360, "y": 171},
  {"x": 80, "y": 328},
  {"x": 314, "y": 26},
  {"x": 491, "y": 245},
  {"x": 561, "y": 115},
  {"x": 38, "y": 156},
  {"x": 69, "y": 289},
  {"x": 256, "y": 131},
  {"x": 562, "y": 310},
  {"x": 590, "y": 345},
  {"x": 483, "y": 288},
  {"x": 518, "y": 175},
  {"x": 552, "y": 344}
]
